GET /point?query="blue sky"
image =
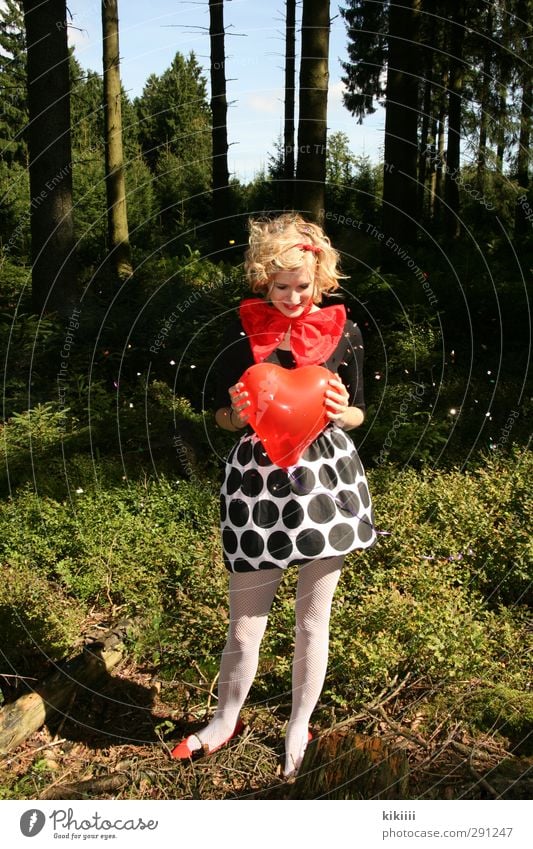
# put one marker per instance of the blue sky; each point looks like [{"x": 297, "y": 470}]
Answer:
[{"x": 151, "y": 34}]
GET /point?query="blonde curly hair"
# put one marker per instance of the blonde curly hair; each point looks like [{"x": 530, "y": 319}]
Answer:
[{"x": 273, "y": 247}]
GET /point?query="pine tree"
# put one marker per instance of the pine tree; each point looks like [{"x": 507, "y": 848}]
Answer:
[
  {"x": 14, "y": 185},
  {"x": 174, "y": 115},
  {"x": 87, "y": 110},
  {"x": 367, "y": 27},
  {"x": 174, "y": 132},
  {"x": 14, "y": 112},
  {"x": 50, "y": 158}
]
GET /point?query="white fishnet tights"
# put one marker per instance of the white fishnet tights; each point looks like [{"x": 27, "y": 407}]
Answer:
[{"x": 251, "y": 595}]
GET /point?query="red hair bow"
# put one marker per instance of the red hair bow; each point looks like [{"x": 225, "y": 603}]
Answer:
[{"x": 304, "y": 246}]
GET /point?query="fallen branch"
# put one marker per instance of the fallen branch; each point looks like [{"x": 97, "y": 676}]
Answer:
[
  {"x": 380, "y": 700},
  {"x": 469, "y": 753},
  {"x": 32, "y": 710},
  {"x": 483, "y": 781},
  {"x": 103, "y": 784},
  {"x": 403, "y": 732},
  {"x": 109, "y": 783}
]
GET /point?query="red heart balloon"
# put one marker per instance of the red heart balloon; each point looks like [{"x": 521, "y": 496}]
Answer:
[{"x": 287, "y": 409}]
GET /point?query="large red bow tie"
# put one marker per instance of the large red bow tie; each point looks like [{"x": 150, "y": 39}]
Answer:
[{"x": 314, "y": 335}]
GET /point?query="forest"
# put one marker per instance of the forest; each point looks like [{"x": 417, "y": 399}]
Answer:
[{"x": 122, "y": 233}]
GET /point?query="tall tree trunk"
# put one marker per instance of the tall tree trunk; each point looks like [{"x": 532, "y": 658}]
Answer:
[
  {"x": 433, "y": 173},
  {"x": 500, "y": 128},
  {"x": 523, "y": 157},
  {"x": 522, "y": 175},
  {"x": 313, "y": 104},
  {"x": 515, "y": 22},
  {"x": 429, "y": 47},
  {"x": 117, "y": 216},
  {"x": 50, "y": 157},
  {"x": 401, "y": 124},
  {"x": 484, "y": 108},
  {"x": 441, "y": 146},
  {"x": 219, "y": 111},
  {"x": 453, "y": 152},
  {"x": 290, "y": 76},
  {"x": 424, "y": 144}
]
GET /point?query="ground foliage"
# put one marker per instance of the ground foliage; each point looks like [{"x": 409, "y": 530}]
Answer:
[{"x": 435, "y": 614}]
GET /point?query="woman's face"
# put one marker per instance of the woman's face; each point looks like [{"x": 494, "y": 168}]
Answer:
[{"x": 291, "y": 291}]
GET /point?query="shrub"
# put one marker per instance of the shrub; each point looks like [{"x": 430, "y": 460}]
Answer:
[
  {"x": 433, "y": 599},
  {"x": 477, "y": 520},
  {"x": 38, "y": 622}
]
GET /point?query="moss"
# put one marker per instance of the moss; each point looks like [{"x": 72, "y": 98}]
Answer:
[{"x": 506, "y": 711}]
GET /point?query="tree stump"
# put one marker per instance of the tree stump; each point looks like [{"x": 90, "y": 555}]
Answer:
[
  {"x": 29, "y": 712},
  {"x": 346, "y": 765}
]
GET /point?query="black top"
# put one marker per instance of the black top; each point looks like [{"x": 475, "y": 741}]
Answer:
[{"x": 236, "y": 356}]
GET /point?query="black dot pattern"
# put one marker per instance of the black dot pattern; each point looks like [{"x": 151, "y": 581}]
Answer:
[
  {"x": 265, "y": 513},
  {"x": 339, "y": 440},
  {"x": 252, "y": 544},
  {"x": 364, "y": 494},
  {"x": 292, "y": 514},
  {"x": 272, "y": 517},
  {"x": 328, "y": 476},
  {"x": 321, "y": 508},
  {"x": 233, "y": 481},
  {"x": 244, "y": 453},
  {"x": 341, "y": 536},
  {"x": 279, "y": 545},
  {"x": 252, "y": 483},
  {"x": 347, "y": 469},
  {"x": 238, "y": 512},
  {"x": 302, "y": 480},
  {"x": 260, "y": 455},
  {"x": 310, "y": 542}
]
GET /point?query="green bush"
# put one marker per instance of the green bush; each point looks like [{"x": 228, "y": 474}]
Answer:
[
  {"x": 478, "y": 520},
  {"x": 37, "y": 619},
  {"x": 434, "y": 599},
  {"x": 132, "y": 547}
]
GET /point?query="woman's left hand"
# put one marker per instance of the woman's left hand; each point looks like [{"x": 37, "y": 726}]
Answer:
[{"x": 337, "y": 399}]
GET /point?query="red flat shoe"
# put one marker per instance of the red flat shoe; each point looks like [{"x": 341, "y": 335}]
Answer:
[{"x": 182, "y": 752}]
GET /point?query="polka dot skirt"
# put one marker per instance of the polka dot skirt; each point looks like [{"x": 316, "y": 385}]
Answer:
[{"x": 273, "y": 517}]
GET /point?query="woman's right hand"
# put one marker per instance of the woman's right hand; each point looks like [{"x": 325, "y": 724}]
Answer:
[{"x": 240, "y": 405}]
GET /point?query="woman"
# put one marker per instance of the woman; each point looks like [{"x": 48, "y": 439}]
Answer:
[{"x": 309, "y": 515}]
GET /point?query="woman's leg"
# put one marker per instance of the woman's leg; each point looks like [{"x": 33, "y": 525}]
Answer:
[
  {"x": 250, "y": 595},
  {"x": 317, "y": 581}
]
